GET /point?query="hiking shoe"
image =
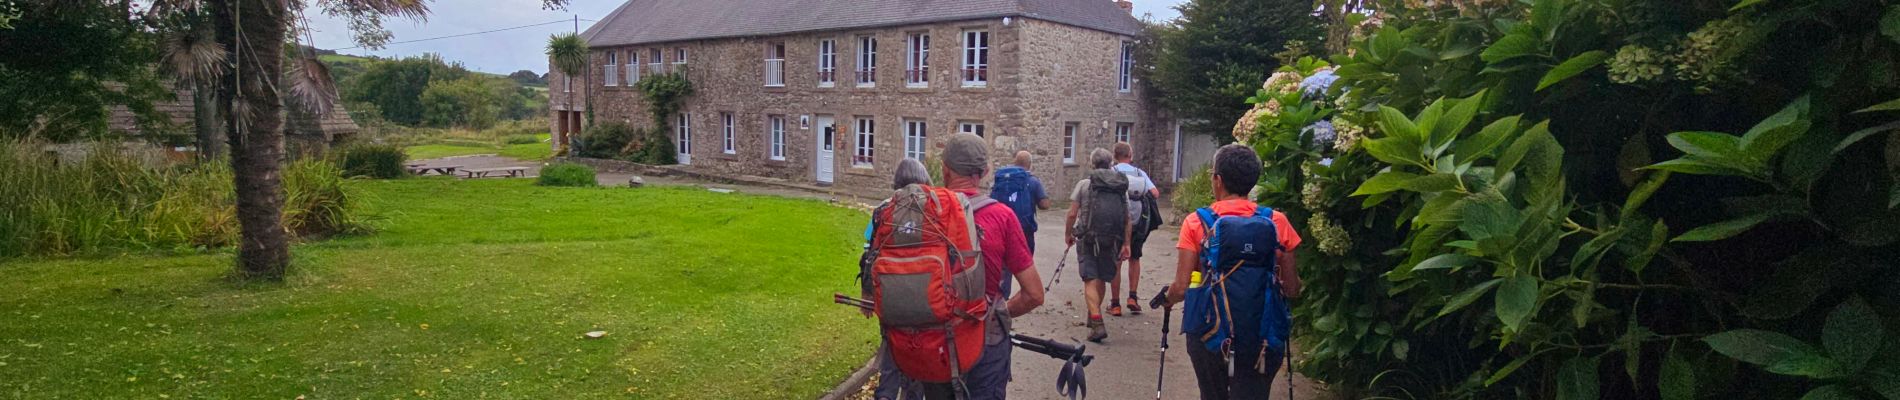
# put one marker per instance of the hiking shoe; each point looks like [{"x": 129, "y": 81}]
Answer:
[
  {"x": 1115, "y": 309},
  {"x": 1134, "y": 307},
  {"x": 1097, "y": 330}
]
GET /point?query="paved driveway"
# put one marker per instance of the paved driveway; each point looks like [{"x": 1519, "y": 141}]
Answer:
[{"x": 1125, "y": 364}]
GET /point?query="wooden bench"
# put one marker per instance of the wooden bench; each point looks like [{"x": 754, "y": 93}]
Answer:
[
  {"x": 438, "y": 169},
  {"x": 511, "y": 172}
]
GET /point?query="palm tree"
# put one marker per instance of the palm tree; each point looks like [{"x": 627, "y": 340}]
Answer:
[
  {"x": 192, "y": 55},
  {"x": 569, "y": 54},
  {"x": 252, "y": 34}
]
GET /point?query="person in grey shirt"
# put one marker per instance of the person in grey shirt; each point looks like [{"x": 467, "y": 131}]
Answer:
[{"x": 1139, "y": 184}]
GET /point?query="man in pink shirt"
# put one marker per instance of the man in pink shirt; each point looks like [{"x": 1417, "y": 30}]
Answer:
[{"x": 1005, "y": 254}]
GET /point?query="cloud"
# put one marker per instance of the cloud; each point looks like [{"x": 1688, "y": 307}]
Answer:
[{"x": 513, "y": 50}]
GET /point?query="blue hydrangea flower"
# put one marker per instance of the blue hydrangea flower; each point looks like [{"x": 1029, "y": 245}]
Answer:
[
  {"x": 1315, "y": 86},
  {"x": 1322, "y": 132},
  {"x": 1328, "y": 161}
]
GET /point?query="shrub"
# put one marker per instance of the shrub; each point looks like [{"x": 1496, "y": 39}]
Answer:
[
  {"x": 380, "y": 161},
  {"x": 604, "y": 140},
  {"x": 655, "y": 148},
  {"x": 567, "y": 174},
  {"x": 114, "y": 198},
  {"x": 1192, "y": 194}
]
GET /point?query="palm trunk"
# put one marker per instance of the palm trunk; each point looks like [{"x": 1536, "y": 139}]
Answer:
[
  {"x": 204, "y": 116},
  {"x": 254, "y": 120}
]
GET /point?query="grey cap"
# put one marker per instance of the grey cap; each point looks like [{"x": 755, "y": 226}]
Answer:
[{"x": 966, "y": 154}]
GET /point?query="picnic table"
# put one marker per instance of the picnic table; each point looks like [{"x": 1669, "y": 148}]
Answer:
[
  {"x": 422, "y": 169},
  {"x": 512, "y": 172}
]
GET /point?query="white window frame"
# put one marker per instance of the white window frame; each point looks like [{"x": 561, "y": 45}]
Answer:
[
  {"x": 656, "y": 61},
  {"x": 685, "y": 138},
  {"x": 1069, "y": 133},
  {"x": 777, "y": 148},
  {"x": 1125, "y": 133},
  {"x": 827, "y": 62},
  {"x": 679, "y": 58},
  {"x": 633, "y": 67},
  {"x": 917, "y": 59},
  {"x": 866, "y": 72},
  {"x": 731, "y": 146},
  {"x": 864, "y": 144},
  {"x": 916, "y": 138},
  {"x": 610, "y": 72},
  {"x": 775, "y": 64},
  {"x": 567, "y": 84},
  {"x": 971, "y": 127},
  {"x": 1127, "y": 67},
  {"x": 976, "y": 58}
]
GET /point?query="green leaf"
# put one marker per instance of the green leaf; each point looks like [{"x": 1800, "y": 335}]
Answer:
[
  {"x": 1507, "y": 370},
  {"x": 1677, "y": 379},
  {"x": 1759, "y": 347},
  {"x": 1394, "y": 150},
  {"x": 1744, "y": 4},
  {"x": 1395, "y": 124},
  {"x": 1384, "y": 182},
  {"x": 1886, "y": 382},
  {"x": 1725, "y": 229},
  {"x": 1572, "y": 67},
  {"x": 1401, "y": 348},
  {"x": 1546, "y": 15},
  {"x": 1510, "y": 46},
  {"x": 1853, "y": 334},
  {"x": 1808, "y": 365},
  {"x": 1890, "y": 23},
  {"x": 1433, "y": 183},
  {"x": 1658, "y": 234},
  {"x": 1455, "y": 119},
  {"x": 1891, "y": 105},
  {"x": 1708, "y": 145},
  {"x": 1577, "y": 380},
  {"x": 1592, "y": 251},
  {"x": 1768, "y": 137},
  {"x": 1694, "y": 166},
  {"x": 1480, "y": 145},
  {"x": 1643, "y": 190},
  {"x": 1444, "y": 261},
  {"x": 1857, "y": 136},
  {"x": 1830, "y": 392},
  {"x": 1515, "y": 300},
  {"x": 1328, "y": 323},
  {"x": 1468, "y": 296},
  {"x": 1387, "y": 43}
]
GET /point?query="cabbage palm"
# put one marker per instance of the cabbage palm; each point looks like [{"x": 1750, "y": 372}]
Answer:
[
  {"x": 252, "y": 34},
  {"x": 568, "y": 53}
]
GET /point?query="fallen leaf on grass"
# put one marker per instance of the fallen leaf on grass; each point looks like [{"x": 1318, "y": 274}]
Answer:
[{"x": 596, "y": 334}]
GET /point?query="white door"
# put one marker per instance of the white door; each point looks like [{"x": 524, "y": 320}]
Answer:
[
  {"x": 685, "y": 139},
  {"x": 827, "y": 138}
]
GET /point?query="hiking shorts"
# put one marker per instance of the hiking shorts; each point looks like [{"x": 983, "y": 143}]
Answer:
[
  {"x": 1248, "y": 383},
  {"x": 1138, "y": 238},
  {"x": 1098, "y": 260}
]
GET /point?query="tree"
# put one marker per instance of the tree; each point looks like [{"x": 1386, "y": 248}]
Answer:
[
  {"x": 64, "y": 63},
  {"x": 1219, "y": 52},
  {"x": 396, "y": 86},
  {"x": 528, "y": 78},
  {"x": 568, "y": 53},
  {"x": 468, "y": 102},
  {"x": 253, "y": 33}
]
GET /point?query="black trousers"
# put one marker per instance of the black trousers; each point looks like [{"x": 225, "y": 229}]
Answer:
[{"x": 1247, "y": 383}]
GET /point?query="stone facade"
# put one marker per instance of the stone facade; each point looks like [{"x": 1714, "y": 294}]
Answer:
[{"x": 1043, "y": 76}]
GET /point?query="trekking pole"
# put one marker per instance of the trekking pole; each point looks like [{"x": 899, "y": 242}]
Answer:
[
  {"x": 1057, "y": 276},
  {"x": 1160, "y": 300}
]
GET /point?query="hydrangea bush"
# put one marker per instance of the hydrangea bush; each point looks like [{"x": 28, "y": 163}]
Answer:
[{"x": 1595, "y": 199}]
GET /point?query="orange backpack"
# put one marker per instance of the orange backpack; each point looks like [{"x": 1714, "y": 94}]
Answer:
[{"x": 928, "y": 281}]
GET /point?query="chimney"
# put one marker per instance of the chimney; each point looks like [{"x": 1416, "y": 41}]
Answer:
[{"x": 1126, "y": 5}]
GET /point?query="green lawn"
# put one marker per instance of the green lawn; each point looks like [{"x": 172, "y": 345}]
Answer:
[
  {"x": 477, "y": 288},
  {"x": 530, "y": 151}
]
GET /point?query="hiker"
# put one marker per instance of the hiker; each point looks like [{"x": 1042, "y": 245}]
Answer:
[
  {"x": 892, "y": 384},
  {"x": 1098, "y": 226},
  {"x": 1018, "y": 188},
  {"x": 1237, "y": 294},
  {"x": 1144, "y": 211},
  {"x": 946, "y": 315}
]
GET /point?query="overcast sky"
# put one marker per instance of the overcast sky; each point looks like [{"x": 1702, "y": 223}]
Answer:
[{"x": 519, "y": 49}]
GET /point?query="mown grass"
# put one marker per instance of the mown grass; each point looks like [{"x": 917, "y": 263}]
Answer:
[
  {"x": 529, "y": 151},
  {"x": 470, "y": 289}
]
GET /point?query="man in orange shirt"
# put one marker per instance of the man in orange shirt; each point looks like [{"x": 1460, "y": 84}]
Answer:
[{"x": 1236, "y": 169}]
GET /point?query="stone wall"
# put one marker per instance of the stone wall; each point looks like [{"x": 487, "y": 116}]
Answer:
[{"x": 1042, "y": 74}]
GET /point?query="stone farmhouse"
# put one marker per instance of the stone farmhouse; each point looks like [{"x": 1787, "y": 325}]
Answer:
[{"x": 834, "y": 92}]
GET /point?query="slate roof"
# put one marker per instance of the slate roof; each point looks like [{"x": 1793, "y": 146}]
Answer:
[{"x": 657, "y": 21}]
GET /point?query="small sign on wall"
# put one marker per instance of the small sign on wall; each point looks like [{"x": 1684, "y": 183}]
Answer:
[{"x": 804, "y": 121}]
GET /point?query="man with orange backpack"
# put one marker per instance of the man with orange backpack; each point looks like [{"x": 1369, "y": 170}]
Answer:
[
  {"x": 936, "y": 271},
  {"x": 1235, "y": 273}
]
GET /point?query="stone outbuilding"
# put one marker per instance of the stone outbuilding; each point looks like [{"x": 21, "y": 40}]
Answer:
[{"x": 837, "y": 92}]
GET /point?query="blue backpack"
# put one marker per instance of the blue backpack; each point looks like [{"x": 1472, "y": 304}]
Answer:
[
  {"x": 1012, "y": 189},
  {"x": 1237, "y": 284}
]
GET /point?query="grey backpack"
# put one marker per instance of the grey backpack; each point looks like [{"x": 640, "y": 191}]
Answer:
[{"x": 1105, "y": 206}]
